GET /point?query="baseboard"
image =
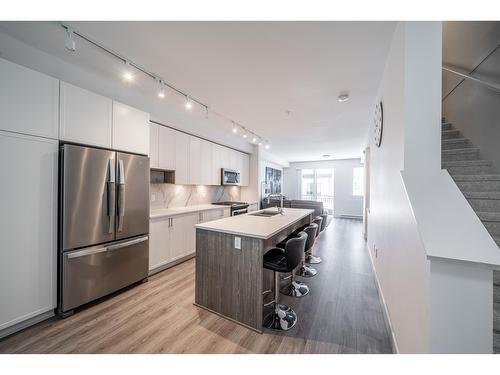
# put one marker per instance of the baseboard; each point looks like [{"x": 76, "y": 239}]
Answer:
[
  {"x": 26, "y": 323},
  {"x": 357, "y": 217},
  {"x": 387, "y": 317},
  {"x": 171, "y": 264}
]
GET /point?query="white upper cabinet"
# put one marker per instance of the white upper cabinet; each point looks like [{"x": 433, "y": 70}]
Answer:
[
  {"x": 85, "y": 117},
  {"x": 194, "y": 161},
  {"x": 154, "y": 145},
  {"x": 166, "y": 145},
  {"x": 245, "y": 170},
  {"x": 28, "y": 101},
  {"x": 217, "y": 163},
  {"x": 181, "y": 158},
  {"x": 206, "y": 164},
  {"x": 130, "y": 129}
]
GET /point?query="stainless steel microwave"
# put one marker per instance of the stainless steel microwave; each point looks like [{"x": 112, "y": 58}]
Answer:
[{"x": 230, "y": 177}]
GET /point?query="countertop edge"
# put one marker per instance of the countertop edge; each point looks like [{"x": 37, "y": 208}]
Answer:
[
  {"x": 186, "y": 211},
  {"x": 201, "y": 226}
]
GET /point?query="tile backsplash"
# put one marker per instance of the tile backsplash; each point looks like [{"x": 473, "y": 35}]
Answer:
[{"x": 169, "y": 195}]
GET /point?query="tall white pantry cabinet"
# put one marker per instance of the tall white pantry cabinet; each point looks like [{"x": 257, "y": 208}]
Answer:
[
  {"x": 28, "y": 194},
  {"x": 36, "y": 111}
]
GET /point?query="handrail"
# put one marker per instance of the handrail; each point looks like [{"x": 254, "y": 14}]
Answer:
[{"x": 491, "y": 85}]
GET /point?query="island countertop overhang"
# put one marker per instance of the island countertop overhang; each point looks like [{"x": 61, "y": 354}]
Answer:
[{"x": 249, "y": 225}]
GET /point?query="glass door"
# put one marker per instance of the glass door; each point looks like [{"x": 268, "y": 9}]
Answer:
[{"x": 318, "y": 185}]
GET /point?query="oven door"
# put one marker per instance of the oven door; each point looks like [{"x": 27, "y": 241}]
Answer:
[
  {"x": 230, "y": 177},
  {"x": 240, "y": 211}
]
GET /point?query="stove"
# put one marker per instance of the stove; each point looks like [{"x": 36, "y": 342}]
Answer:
[{"x": 237, "y": 208}]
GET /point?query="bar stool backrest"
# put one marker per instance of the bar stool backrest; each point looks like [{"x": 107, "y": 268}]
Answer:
[
  {"x": 311, "y": 230},
  {"x": 294, "y": 249},
  {"x": 318, "y": 221}
]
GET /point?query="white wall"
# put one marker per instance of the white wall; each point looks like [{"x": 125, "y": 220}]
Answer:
[
  {"x": 344, "y": 202},
  {"x": 393, "y": 238}
]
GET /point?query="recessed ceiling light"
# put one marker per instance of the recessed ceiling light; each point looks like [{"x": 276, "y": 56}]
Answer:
[
  {"x": 343, "y": 98},
  {"x": 326, "y": 155}
]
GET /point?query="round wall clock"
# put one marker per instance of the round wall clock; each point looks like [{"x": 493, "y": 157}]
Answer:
[{"x": 378, "y": 122}]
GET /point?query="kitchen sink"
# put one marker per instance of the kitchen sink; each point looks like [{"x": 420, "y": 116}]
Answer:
[{"x": 265, "y": 213}]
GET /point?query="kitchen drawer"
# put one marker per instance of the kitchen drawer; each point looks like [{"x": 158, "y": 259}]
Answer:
[{"x": 94, "y": 272}]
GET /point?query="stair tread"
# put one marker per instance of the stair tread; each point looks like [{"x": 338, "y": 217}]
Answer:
[
  {"x": 482, "y": 194},
  {"x": 460, "y": 150},
  {"x": 488, "y": 216},
  {"x": 476, "y": 177},
  {"x": 455, "y": 140},
  {"x": 459, "y": 163},
  {"x": 450, "y": 131}
]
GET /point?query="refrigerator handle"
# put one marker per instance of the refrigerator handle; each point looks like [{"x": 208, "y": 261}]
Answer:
[
  {"x": 110, "y": 192},
  {"x": 121, "y": 194}
]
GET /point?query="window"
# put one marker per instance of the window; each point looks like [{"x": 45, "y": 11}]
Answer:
[
  {"x": 317, "y": 185},
  {"x": 358, "y": 181}
]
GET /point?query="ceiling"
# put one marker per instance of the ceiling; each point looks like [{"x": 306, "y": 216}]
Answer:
[{"x": 280, "y": 79}]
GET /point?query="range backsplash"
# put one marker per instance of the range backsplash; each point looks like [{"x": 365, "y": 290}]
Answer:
[{"x": 169, "y": 195}]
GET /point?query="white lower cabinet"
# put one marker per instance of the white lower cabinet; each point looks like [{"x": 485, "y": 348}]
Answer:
[
  {"x": 159, "y": 242},
  {"x": 28, "y": 227},
  {"x": 171, "y": 238}
]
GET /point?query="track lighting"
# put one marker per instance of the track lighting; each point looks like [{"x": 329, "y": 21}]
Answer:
[
  {"x": 260, "y": 143},
  {"x": 69, "y": 42},
  {"x": 245, "y": 135},
  {"x": 206, "y": 113},
  {"x": 254, "y": 139},
  {"x": 128, "y": 76},
  {"x": 188, "y": 104},
  {"x": 161, "y": 89},
  {"x": 235, "y": 128},
  {"x": 267, "y": 146}
]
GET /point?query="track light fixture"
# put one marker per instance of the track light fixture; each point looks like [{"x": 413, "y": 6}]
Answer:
[
  {"x": 128, "y": 76},
  {"x": 188, "y": 103},
  {"x": 69, "y": 42},
  {"x": 161, "y": 89},
  {"x": 267, "y": 146},
  {"x": 235, "y": 128}
]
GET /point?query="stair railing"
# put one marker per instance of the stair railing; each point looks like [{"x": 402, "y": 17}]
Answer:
[{"x": 492, "y": 85}]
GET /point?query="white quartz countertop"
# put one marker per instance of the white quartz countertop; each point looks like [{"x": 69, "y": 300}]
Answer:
[
  {"x": 249, "y": 225},
  {"x": 162, "y": 212}
]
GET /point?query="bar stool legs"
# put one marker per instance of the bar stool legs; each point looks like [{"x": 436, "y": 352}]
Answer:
[
  {"x": 312, "y": 259},
  {"x": 295, "y": 288},
  {"x": 305, "y": 270},
  {"x": 283, "y": 317}
]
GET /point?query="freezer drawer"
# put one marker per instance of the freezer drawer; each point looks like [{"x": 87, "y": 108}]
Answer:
[{"x": 94, "y": 272}]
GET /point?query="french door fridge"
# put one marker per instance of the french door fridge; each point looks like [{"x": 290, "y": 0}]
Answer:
[{"x": 103, "y": 223}]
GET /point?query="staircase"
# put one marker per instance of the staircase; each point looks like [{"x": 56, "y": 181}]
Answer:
[{"x": 481, "y": 187}]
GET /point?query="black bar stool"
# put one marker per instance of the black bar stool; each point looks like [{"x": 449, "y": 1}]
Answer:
[
  {"x": 306, "y": 270},
  {"x": 324, "y": 223},
  {"x": 310, "y": 258},
  {"x": 283, "y": 261},
  {"x": 295, "y": 288}
]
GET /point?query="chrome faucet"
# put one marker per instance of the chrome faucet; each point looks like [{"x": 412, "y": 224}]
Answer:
[{"x": 280, "y": 208}]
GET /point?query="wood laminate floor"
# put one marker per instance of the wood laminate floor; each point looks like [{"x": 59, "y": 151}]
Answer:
[{"x": 343, "y": 313}]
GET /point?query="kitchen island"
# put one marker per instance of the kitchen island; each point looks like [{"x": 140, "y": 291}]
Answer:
[{"x": 230, "y": 278}]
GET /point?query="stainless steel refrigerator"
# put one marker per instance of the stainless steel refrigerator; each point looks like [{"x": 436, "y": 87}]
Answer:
[{"x": 103, "y": 223}]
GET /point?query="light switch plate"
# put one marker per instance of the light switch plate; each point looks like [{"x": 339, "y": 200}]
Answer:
[{"x": 237, "y": 243}]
